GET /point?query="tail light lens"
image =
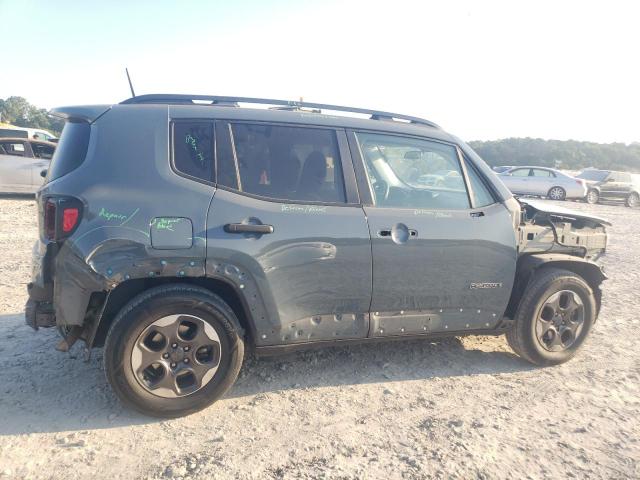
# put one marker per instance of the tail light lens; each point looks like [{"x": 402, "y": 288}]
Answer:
[
  {"x": 69, "y": 219},
  {"x": 50, "y": 219},
  {"x": 61, "y": 217}
]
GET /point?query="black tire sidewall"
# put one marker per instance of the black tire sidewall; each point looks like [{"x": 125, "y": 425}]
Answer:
[
  {"x": 126, "y": 330},
  {"x": 532, "y": 307}
]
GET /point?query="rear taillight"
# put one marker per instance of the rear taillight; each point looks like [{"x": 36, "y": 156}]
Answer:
[
  {"x": 69, "y": 219},
  {"x": 50, "y": 219},
  {"x": 61, "y": 217}
]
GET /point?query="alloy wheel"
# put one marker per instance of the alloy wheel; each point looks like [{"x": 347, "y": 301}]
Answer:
[
  {"x": 592, "y": 196},
  {"x": 556, "y": 193},
  {"x": 560, "y": 321},
  {"x": 176, "y": 355}
]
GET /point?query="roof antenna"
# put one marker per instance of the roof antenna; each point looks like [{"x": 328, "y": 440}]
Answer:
[{"x": 133, "y": 94}]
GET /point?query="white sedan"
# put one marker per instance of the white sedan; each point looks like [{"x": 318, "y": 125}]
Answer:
[
  {"x": 21, "y": 163},
  {"x": 543, "y": 182}
]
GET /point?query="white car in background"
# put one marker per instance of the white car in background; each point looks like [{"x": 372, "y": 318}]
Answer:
[
  {"x": 22, "y": 162},
  {"x": 543, "y": 182},
  {"x": 11, "y": 131}
]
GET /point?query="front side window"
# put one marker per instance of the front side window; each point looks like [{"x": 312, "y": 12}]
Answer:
[
  {"x": 288, "y": 163},
  {"x": 520, "y": 172},
  {"x": 413, "y": 173},
  {"x": 541, "y": 173},
  {"x": 480, "y": 194},
  {"x": 193, "y": 149}
]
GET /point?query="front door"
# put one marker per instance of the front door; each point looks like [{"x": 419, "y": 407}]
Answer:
[
  {"x": 443, "y": 251},
  {"x": 285, "y": 225}
]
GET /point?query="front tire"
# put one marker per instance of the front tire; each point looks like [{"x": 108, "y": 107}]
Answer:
[
  {"x": 557, "y": 193},
  {"x": 633, "y": 200},
  {"x": 593, "y": 196},
  {"x": 173, "y": 350},
  {"x": 554, "y": 317}
]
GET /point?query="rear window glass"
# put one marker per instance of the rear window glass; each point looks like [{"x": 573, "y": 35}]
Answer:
[
  {"x": 71, "y": 150},
  {"x": 289, "y": 163},
  {"x": 193, "y": 149}
]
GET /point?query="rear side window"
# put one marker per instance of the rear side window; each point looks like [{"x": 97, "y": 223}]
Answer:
[
  {"x": 288, "y": 163},
  {"x": 71, "y": 150},
  {"x": 193, "y": 149}
]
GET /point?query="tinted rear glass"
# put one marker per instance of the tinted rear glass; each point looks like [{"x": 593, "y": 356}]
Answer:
[
  {"x": 596, "y": 175},
  {"x": 71, "y": 150},
  {"x": 193, "y": 148}
]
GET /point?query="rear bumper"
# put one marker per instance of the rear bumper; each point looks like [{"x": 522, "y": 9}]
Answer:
[
  {"x": 38, "y": 311},
  {"x": 60, "y": 289}
]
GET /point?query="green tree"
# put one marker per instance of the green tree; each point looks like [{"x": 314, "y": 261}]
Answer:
[
  {"x": 18, "y": 111},
  {"x": 570, "y": 154}
]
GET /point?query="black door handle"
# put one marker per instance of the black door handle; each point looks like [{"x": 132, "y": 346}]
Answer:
[{"x": 247, "y": 228}]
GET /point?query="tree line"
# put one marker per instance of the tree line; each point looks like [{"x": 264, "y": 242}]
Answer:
[
  {"x": 568, "y": 155},
  {"x": 19, "y": 112}
]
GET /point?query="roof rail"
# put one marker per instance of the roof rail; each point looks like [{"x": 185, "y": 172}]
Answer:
[{"x": 233, "y": 102}]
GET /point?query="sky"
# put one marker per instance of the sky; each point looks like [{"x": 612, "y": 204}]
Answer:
[{"x": 482, "y": 70}]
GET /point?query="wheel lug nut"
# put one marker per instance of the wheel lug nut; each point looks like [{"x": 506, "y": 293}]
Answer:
[
  {"x": 165, "y": 355},
  {"x": 186, "y": 360},
  {"x": 174, "y": 345},
  {"x": 173, "y": 365},
  {"x": 187, "y": 348}
]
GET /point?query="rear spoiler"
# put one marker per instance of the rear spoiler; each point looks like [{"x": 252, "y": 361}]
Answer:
[{"x": 85, "y": 113}]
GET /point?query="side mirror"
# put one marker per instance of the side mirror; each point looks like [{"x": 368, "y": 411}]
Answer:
[{"x": 43, "y": 173}]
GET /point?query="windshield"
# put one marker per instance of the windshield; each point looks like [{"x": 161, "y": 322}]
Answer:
[{"x": 596, "y": 175}]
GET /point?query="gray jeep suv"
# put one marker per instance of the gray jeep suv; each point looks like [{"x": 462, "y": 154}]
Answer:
[{"x": 177, "y": 230}]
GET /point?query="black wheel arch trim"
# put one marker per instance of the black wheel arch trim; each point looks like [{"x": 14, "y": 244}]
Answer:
[{"x": 527, "y": 265}]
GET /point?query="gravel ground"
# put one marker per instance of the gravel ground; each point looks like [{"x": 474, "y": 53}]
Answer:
[{"x": 459, "y": 408}]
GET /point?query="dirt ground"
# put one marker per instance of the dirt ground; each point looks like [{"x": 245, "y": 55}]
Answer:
[{"x": 461, "y": 408}]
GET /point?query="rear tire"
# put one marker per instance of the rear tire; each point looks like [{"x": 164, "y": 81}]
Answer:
[
  {"x": 556, "y": 193},
  {"x": 546, "y": 335},
  {"x": 633, "y": 200},
  {"x": 191, "y": 341},
  {"x": 592, "y": 197}
]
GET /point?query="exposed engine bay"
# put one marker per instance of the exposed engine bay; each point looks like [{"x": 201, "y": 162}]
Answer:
[{"x": 549, "y": 229}]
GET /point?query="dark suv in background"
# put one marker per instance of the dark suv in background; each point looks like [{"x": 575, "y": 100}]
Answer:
[
  {"x": 175, "y": 230},
  {"x": 610, "y": 185}
]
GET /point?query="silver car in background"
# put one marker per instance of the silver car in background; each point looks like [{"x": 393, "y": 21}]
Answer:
[
  {"x": 21, "y": 164},
  {"x": 543, "y": 182}
]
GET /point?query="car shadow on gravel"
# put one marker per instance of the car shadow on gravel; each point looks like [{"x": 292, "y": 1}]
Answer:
[{"x": 43, "y": 390}]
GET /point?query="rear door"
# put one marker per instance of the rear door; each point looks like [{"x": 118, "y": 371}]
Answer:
[
  {"x": 443, "y": 256},
  {"x": 15, "y": 166},
  {"x": 286, "y": 220}
]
